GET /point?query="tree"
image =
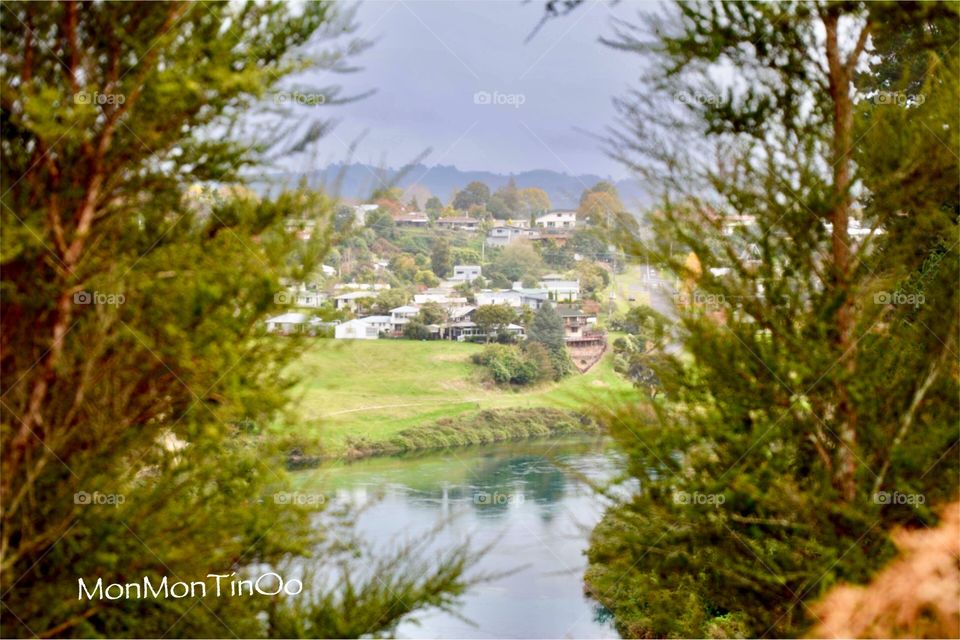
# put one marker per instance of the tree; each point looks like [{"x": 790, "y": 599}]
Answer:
[
  {"x": 134, "y": 366},
  {"x": 413, "y": 204},
  {"x": 491, "y": 319},
  {"x": 432, "y": 313},
  {"x": 440, "y": 260},
  {"x": 434, "y": 205},
  {"x": 475, "y": 194},
  {"x": 804, "y": 389},
  {"x": 517, "y": 260},
  {"x": 404, "y": 266},
  {"x": 388, "y": 299},
  {"x": 547, "y": 329},
  {"x": 533, "y": 202},
  {"x": 599, "y": 208}
]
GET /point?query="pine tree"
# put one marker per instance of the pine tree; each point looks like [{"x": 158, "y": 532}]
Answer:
[{"x": 812, "y": 405}]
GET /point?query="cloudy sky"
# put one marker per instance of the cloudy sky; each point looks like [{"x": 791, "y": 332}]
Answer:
[{"x": 456, "y": 76}]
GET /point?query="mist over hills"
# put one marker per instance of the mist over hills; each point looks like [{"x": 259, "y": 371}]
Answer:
[{"x": 356, "y": 181}]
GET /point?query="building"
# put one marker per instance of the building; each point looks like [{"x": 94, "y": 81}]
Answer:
[
  {"x": 368, "y": 328},
  {"x": 516, "y": 298},
  {"x": 401, "y": 316},
  {"x": 561, "y": 290},
  {"x": 585, "y": 343},
  {"x": 557, "y": 220},
  {"x": 459, "y": 222},
  {"x": 294, "y": 322},
  {"x": 351, "y": 300},
  {"x": 466, "y": 272},
  {"x": 502, "y": 235},
  {"x": 412, "y": 220}
]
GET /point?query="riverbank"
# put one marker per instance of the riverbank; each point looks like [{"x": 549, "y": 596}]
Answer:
[{"x": 378, "y": 397}]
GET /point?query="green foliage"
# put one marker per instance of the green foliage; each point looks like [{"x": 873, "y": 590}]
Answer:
[
  {"x": 516, "y": 261},
  {"x": 508, "y": 364},
  {"x": 805, "y": 389},
  {"x": 475, "y": 194},
  {"x": 388, "y": 299},
  {"x": 491, "y": 319},
  {"x": 547, "y": 329},
  {"x": 432, "y": 313},
  {"x": 416, "y": 330},
  {"x": 137, "y": 271},
  {"x": 440, "y": 259}
]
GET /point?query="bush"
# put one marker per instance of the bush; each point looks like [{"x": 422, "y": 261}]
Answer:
[{"x": 509, "y": 365}]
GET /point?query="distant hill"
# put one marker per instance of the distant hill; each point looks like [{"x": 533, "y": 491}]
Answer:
[{"x": 357, "y": 181}]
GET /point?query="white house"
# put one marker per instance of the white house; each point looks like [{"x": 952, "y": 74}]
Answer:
[
  {"x": 502, "y": 235},
  {"x": 466, "y": 272},
  {"x": 516, "y": 298},
  {"x": 557, "y": 220},
  {"x": 289, "y": 323},
  {"x": 401, "y": 316},
  {"x": 368, "y": 328},
  {"x": 561, "y": 290},
  {"x": 328, "y": 270},
  {"x": 459, "y": 222},
  {"x": 350, "y": 300}
]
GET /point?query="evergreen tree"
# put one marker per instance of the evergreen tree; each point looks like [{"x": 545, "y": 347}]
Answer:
[
  {"x": 812, "y": 405},
  {"x": 135, "y": 370},
  {"x": 547, "y": 329},
  {"x": 440, "y": 259}
]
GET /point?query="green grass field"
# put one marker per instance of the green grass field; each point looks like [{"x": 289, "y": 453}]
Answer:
[{"x": 375, "y": 388}]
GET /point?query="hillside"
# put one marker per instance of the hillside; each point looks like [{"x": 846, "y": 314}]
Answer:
[
  {"x": 357, "y": 181},
  {"x": 375, "y": 388}
]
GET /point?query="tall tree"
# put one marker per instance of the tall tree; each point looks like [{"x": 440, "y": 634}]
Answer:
[
  {"x": 440, "y": 259},
  {"x": 813, "y": 403},
  {"x": 475, "y": 194},
  {"x": 547, "y": 329},
  {"x": 136, "y": 273}
]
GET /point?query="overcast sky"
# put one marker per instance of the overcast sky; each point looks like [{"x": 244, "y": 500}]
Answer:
[{"x": 433, "y": 59}]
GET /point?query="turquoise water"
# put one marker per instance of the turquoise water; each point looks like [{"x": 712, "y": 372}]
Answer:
[{"x": 528, "y": 499}]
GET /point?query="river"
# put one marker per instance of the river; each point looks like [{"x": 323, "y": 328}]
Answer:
[{"x": 526, "y": 498}]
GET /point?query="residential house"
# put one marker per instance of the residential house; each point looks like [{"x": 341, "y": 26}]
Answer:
[
  {"x": 459, "y": 222},
  {"x": 291, "y": 323},
  {"x": 560, "y": 289},
  {"x": 502, "y": 235},
  {"x": 351, "y": 300},
  {"x": 368, "y": 328},
  {"x": 401, "y": 316},
  {"x": 516, "y": 297},
  {"x": 466, "y": 272},
  {"x": 584, "y": 341},
  {"x": 557, "y": 220},
  {"x": 415, "y": 219}
]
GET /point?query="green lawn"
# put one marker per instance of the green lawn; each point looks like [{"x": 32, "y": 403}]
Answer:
[{"x": 375, "y": 388}]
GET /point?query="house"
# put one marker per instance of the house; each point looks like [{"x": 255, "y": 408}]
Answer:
[
  {"x": 468, "y": 330},
  {"x": 368, "y": 328},
  {"x": 576, "y": 322},
  {"x": 351, "y": 300},
  {"x": 557, "y": 220},
  {"x": 460, "y": 314},
  {"x": 291, "y": 323},
  {"x": 561, "y": 290},
  {"x": 401, "y": 316},
  {"x": 516, "y": 298},
  {"x": 443, "y": 299},
  {"x": 502, "y": 235},
  {"x": 328, "y": 270},
  {"x": 466, "y": 272},
  {"x": 459, "y": 222},
  {"x": 415, "y": 219}
]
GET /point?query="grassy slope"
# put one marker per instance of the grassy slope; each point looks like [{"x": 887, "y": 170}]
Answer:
[{"x": 376, "y": 388}]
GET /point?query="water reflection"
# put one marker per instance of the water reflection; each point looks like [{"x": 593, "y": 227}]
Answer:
[{"x": 525, "y": 498}]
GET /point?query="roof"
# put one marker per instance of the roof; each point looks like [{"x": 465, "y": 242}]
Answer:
[
  {"x": 289, "y": 318},
  {"x": 404, "y": 309},
  {"x": 457, "y": 220},
  {"x": 381, "y": 319},
  {"x": 355, "y": 294}
]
